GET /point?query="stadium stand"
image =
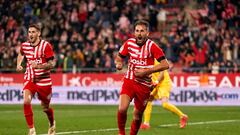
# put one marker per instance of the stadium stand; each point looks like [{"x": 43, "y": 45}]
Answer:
[{"x": 86, "y": 34}]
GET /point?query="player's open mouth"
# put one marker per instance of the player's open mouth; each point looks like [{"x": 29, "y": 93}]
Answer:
[{"x": 140, "y": 38}]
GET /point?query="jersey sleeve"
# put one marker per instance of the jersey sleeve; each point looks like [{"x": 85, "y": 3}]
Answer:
[
  {"x": 157, "y": 52},
  {"x": 48, "y": 51},
  {"x": 124, "y": 49}
]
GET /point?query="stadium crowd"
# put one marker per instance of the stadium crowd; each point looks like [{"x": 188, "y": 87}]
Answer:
[{"x": 203, "y": 35}]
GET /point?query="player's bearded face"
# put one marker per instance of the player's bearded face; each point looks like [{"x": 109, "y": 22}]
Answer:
[
  {"x": 33, "y": 34},
  {"x": 141, "y": 34}
]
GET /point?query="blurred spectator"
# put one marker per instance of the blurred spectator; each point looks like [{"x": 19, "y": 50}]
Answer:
[{"x": 161, "y": 18}]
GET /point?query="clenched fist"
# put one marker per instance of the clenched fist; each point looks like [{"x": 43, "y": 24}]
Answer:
[
  {"x": 19, "y": 68},
  {"x": 119, "y": 65}
]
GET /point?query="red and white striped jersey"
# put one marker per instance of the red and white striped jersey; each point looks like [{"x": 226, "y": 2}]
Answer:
[
  {"x": 140, "y": 57},
  {"x": 40, "y": 54}
]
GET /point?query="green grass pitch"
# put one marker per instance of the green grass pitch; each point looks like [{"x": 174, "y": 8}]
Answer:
[{"x": 102, "y": 120}]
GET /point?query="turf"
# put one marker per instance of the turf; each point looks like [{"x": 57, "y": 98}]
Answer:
[{"x": 101, "y": 120}]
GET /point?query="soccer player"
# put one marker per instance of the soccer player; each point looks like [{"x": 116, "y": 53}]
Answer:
[
  {"x": 40, "y": 60},
  {"x": 163, "y": 85},
  {"x": 137, "y": 82}
]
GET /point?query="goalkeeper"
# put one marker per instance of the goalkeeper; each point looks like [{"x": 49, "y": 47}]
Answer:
[{"x": 162, "y": 87}]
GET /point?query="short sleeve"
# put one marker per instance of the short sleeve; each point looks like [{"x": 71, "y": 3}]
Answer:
[
  {"x": 48, "y": 51},
  {"x": 157, "y": 51},
  {"x": 124, "y": 49}
]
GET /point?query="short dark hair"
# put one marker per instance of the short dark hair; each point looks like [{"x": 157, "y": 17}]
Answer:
[
  {"x": 142, "y": 22},
  {"x": 35, "y": 26}
]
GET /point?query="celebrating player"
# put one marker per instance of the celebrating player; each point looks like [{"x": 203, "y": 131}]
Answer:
[
  {"x": 40, "y": 59},
  {"x": 163, "y": 85},
  {"x": 137, "y": 82}
]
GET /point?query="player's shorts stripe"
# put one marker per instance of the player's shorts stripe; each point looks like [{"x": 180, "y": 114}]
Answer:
[
  {"x": 39, "y": 73},
  {"x": 44, "y": 84},
  {"x": 46, "y": 79}
]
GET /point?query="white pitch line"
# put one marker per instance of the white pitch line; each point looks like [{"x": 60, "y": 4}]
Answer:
[
  {"x": 165, "y": 125},
  {"x": 10, "y": 111},
  {"x": 87, "y": 131},
  {"x": 201, "y": 123}
]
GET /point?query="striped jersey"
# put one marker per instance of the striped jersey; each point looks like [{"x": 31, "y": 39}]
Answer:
[
  {"x": 140, "y": 57},
  {"x": 40, "y": 54}
]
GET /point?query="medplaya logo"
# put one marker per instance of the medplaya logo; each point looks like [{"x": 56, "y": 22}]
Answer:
[
  {"x": 11, "y": 95},
  {"x": 206, "y": 96},
  {"x": 94, "y": 95}
]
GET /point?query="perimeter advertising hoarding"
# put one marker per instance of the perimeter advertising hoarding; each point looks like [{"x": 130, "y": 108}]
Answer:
[
  {"x": 188, "y": 89},
  {"x": 109, "y": 95},
  {"x": 115, "y": 80}
]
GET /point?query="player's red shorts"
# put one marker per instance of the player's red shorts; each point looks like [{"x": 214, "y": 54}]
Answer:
[
  {"x": 44, "y": 92},
  {"x": 139, "y": 92}
]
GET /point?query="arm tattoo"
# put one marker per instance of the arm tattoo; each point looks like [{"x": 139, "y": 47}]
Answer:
[{"x": 49, "y": 65}]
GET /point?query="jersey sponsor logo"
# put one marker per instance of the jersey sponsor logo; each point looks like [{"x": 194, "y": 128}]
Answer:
[
  {"x": 37, "y": 60},
  {"x": 139, "y": 62}
]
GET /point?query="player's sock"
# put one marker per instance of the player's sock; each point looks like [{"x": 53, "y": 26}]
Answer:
[
  {"x": 50, "y": 116},
  {"x": 135, "y": 126},
  {"x": 122, "y": 117},
  {"x": 172, "y": 108},
  {"x": 28, "y": 113},
  {"x": 147, "y": 112}
]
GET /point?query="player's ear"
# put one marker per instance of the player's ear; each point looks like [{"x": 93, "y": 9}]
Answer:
[
  {"x": 39, "y": 33},
  {"x": 148, "y": 34}
]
